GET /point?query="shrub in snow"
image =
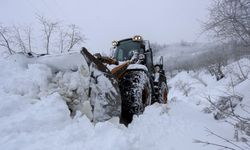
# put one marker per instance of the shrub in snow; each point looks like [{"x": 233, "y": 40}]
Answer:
[
  {"x": 238, "y": 71},
  {"x": 225, "y": 108},
  {"x": 197, "y": 77},
  {"x": 243, "y": 126},
  {"x": 183, "y": 87},
  {"x": 225, "y": 105},
  {"x": 216, "y": 69}
]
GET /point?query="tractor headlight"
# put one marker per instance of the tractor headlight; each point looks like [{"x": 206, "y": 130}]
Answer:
[
  {"x": 114, "y": 43},
  {"x": 137, "y": 38},
  {"x": 141, "y": 56}
]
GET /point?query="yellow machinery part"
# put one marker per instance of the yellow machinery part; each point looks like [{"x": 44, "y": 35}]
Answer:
[{"x": 120, "y": 70}]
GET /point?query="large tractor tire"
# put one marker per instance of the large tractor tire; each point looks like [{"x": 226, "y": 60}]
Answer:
[
  {"x": 163, "y": 93},
  {"x": 136, "y": 94}
]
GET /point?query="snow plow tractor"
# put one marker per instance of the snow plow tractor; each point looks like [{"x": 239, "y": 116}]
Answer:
[{"x": 135, "y": 82}]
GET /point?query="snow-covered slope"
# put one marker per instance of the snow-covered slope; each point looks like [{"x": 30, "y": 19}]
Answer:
[{"x": 34, "y": 114}]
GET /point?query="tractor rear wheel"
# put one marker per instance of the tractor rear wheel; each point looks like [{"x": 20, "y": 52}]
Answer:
[{"x": 163, "y": 93}]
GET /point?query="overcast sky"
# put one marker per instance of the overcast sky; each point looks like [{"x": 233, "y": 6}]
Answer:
[{"x": 162, "y": 21}]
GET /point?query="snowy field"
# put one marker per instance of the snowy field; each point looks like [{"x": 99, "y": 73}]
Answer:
[{"x": 34, "y": 114}]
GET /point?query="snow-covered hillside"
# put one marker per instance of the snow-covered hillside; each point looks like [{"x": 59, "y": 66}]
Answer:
[{"x": 34, "y": 114}]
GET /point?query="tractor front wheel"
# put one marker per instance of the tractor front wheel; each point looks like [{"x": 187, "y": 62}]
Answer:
[{"x": 136, "y": 94}]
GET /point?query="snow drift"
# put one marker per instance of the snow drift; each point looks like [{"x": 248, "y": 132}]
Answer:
[{"x": 34, "y": 111}]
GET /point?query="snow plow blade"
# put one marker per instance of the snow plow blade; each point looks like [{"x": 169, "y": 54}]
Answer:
[{"x": 104, "y": 93}]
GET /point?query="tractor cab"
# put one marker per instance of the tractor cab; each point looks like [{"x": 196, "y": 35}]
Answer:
[{"x": 124, "y": 50}]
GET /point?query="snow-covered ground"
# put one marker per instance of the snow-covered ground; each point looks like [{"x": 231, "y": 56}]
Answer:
[{"x": 34, "y": 114}]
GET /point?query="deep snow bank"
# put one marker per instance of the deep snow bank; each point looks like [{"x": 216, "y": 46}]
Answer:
[{"x": 34, "y": 114}]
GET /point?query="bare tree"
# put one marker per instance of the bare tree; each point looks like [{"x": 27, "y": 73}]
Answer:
[
  {"x": 48, "y": 29},
  {"x": 28, "y": 31},
  {"x": 230, "y": 19},
  {"x": 19, "y": 39},
  {"x": 243, "y": 74},
  {"x": 74, "y": 36},
  {"x": 22, "y": 38},
  {"x": 62, "y": 39},
  {"x": 183, "y": 87},
  {"x": 5, "y": 39},
  {"x": 199, "y": 79},
  {"x": 69, "y": 37}
]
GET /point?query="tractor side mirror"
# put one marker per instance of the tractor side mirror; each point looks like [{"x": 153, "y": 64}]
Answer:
[
  {"x": 161, "y": 63},
  {"x": 148, "y": 50},
  {"x": 162, "y": 72},
  {"x": 161, "y": 60}
]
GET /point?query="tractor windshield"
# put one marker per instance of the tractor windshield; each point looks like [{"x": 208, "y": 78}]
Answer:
[{"x": 125, "y": 49}]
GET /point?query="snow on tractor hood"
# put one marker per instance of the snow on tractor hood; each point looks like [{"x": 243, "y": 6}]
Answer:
[{"x": 137, "y": 66}]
